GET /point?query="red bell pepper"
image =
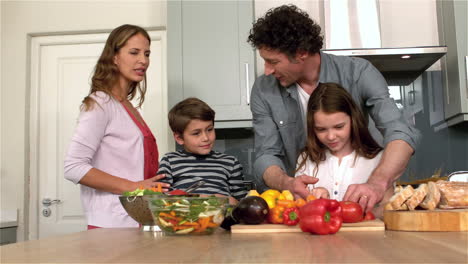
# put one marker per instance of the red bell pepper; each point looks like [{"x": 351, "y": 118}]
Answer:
[
  {"x": 177, "y": 192},
  {"x": 291, "y": 216},
  {"x": 322, "y": 216}
]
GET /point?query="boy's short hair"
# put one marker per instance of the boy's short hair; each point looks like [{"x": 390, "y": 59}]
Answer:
[{"x": 186, "y": 110}]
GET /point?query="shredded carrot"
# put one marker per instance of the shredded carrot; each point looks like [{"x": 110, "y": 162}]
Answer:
[
  {"x": 173, "y": 213},
  {"x": 180, "y": 227},
  {"x": 211, "y": 224},
  {"x": 170, "y": 216},
  {"x": 159, "y": 187},
  {"x": 203, "y": 224},
  {"x": 194, "y": 224}
]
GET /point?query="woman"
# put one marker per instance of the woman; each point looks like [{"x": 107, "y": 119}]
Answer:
[
  {"x": 112, "y": 149},
  {"x": 340, "y": 150}
]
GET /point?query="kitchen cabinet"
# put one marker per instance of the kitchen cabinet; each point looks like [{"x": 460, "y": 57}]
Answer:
[
  {"x": 209, "y": 57},
  {"x": 452, "y": 19}
]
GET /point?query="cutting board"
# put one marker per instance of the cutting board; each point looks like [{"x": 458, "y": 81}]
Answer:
[
  {"x": 425, "y": 220},
  {"x": 374, "y": 225}
]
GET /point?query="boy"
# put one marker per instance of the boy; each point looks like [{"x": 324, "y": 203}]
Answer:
[{"x": 192, "y": 124}]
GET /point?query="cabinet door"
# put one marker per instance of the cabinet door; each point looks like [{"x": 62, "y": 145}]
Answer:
[
  {"x": 209, "y": 55},
  {"x": 452, "y": 18}
]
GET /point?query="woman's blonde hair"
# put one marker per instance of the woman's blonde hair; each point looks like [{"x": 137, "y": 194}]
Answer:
[
  {"x": 106, "y": 72},
  {"x": 332, "y": 98}
]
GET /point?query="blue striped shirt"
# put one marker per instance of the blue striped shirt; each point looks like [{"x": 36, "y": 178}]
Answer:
[{"x": 221, "y": 173}]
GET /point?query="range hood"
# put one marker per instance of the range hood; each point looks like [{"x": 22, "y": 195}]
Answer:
[{"x": 399, "y": 66}]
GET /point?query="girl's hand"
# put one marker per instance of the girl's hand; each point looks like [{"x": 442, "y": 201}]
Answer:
[
  {"x": 320, "y": 192},
  {"x": 153, "y": 182}
]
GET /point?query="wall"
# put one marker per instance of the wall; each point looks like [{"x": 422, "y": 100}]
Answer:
[{"x": 20, "y": 20}]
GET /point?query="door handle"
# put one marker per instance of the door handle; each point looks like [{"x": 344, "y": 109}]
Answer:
[
  {"x": 247, "y": 83},
  {"x": 48, "y": 202}
]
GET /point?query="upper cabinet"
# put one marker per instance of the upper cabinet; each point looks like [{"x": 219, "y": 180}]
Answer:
[
  {"x": 452, "y": 20},
  {"x": 410, "y": 23},
  {"x": 209, "y": 57}
]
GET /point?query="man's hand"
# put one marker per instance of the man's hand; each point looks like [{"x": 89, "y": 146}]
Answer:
[
  {"x": 299, "y": 185},
  {"x": 366, "y": 194},
  {"x": 276, "y": 178},
  {"x": 391, "y": 166}
]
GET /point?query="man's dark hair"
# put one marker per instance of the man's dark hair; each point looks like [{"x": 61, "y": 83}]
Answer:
[{"x": 287, "y": 29}]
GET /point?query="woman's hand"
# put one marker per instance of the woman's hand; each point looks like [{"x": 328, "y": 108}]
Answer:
[
  {"x": 320, "y": 192},
  {"x": 153, "y": 182}
]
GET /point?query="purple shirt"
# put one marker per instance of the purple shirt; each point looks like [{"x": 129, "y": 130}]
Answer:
[{"x": 105, "y": 138}]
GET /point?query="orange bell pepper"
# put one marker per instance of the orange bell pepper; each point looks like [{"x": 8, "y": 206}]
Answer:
[
  {"x": 285, "y": 203},
  {"x": 300, "y": 202},
  {"x": 310, "y": 197},
  {"x": 275, "y": 215}
]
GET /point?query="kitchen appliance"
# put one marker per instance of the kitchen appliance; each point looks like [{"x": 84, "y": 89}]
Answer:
[{"x": 399, "y": 66}]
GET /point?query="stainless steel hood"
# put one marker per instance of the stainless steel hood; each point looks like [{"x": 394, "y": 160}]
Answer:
[{"x": 399, "y": 66}]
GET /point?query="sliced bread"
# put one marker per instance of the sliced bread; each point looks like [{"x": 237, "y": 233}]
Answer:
[
  {"x": 432, "y": 198},
  {"x": 417, "y": 197},
  {"x": 397, "y": 201}
]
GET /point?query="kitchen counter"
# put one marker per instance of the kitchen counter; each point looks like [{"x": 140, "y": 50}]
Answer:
[
  {"x": 131, "y": 245},
  {"x": 8, "y": 218}
]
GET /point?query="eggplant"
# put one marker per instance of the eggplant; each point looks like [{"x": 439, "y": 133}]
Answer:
[{"x": 251, "y": 210}]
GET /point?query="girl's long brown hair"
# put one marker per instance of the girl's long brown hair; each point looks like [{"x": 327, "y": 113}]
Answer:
[
  {"x": 106, "y": 72},
  {"x": 332, "y": 98}
]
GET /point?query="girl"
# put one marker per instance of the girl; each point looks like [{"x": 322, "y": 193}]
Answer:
[
  {"x": 340, "y": 150},
  {"x": 112, "y": 149}
]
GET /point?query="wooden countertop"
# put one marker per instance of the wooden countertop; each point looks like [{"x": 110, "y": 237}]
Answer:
[{"x": 131, "y": 245}]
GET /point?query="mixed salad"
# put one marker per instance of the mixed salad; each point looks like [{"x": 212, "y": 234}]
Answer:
[
  {"x": 141, "y": 192},
  {"x": 185, "y": 215}
]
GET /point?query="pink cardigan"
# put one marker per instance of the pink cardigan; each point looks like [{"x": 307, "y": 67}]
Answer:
[{"x": 105, "y": 138}]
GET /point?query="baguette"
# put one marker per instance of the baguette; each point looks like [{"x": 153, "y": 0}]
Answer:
[
  {"x": 432, "y": 198},
  {"x": 453, "y": 194},
  {"x": 417, "y": 197},
  {"x": 397, "y": 201}
]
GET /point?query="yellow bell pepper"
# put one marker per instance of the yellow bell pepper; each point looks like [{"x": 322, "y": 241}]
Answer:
[
  {"x": 288, "y": 195},
  {"x": 269, "y": 199},
  {"x": 272, "y": 192},
  {"x": 253, "y": 193}
]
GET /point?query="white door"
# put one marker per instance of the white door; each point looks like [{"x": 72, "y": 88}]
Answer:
[{"x": 60, "y": 78}]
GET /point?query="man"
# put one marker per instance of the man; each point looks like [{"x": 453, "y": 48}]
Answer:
[{"x": 290, "y": 42}]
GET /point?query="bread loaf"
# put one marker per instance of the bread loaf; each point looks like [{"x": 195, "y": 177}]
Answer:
[
  {"x": 453, "y": 194},
  {"x": 397, "y": 201},
  {"x": 432, "y": 198},
  {"x": 417, "y": 197}
]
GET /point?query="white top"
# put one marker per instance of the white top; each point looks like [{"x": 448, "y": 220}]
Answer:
[
  {"x": 304, "y": 101},
  {"x": 105, "y": 138},
  {"x": 337, "y": 177}
]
